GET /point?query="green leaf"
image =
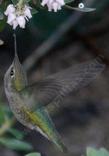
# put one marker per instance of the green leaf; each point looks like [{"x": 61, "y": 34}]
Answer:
[
  {"x": 34, "y": 11},
  {"x": 84, "y": 9},
  {"x": 16, "y": 133},
  {"x": 68, "y": 1},
  {"x": 80, "y": 9},
  {"x": 94, "y": 152},
  {"x": 33, "y": 154},
  {"x": 15, "y": 144},
  {"x": 103, "y": 152},
  {"x": 91, "y": 152},
  {"x": 14, "y": 2}
]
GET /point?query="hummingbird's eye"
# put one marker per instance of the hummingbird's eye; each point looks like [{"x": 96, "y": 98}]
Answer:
[{"x": 12, "y": 72}]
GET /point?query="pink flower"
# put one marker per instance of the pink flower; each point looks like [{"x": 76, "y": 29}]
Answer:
[
  {"x": 53, "y": 4},
  {"x": 17, "y": 17}
]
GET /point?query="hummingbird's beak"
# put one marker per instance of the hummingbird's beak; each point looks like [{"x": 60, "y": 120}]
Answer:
[
  {"x": 16, "y": 58},
  {"x": 20, "y": 79},
  {"x": 16, "y": 63}
]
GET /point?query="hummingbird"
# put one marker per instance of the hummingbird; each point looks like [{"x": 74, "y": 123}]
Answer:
[{"x": 29, "y": 102}]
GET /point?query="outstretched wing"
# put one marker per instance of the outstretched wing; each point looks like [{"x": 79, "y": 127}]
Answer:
[{"x": 54, "y": 87}]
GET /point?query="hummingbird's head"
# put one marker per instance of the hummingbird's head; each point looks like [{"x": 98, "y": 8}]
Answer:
[{"x": 15, "y": 76}]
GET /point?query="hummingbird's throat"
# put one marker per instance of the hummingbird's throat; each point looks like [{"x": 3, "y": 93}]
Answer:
[{"x": 18, "y": 85}]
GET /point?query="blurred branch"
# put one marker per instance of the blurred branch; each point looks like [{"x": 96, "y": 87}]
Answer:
[{"x": 53, "y": 39}]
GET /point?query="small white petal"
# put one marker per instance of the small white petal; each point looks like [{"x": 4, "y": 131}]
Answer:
[
  {"x": 55, "y": 6},
  {"x": 15, "y": 24},
  {"x": 61, "y": 2},
  {"x": 59, "y": 7},
  {"x": 49, "y": 8},
  {"x": 27, "y": 13},
  {"x": 28, "y": 7},
  {"x": 26, "y": 18},
  {"x": 44, "y": 2},
  {"x": 10, "y": 23},
  {"x": 11, "y": 17},
  {"x": 21, "y": 21},
  {"x": 10, "y": 9},
  {"x": 50, "y": 2}
]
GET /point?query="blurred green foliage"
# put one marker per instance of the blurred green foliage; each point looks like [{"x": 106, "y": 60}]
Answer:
[
  {"x": 11, "y": 137},
  {"x": 15, "y": 144},
  {"x": 97, "y": 152},
  {"x": 33, "y": 154}
]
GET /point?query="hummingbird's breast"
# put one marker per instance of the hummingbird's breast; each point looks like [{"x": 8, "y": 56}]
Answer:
[{"x": 16, "y": 104}]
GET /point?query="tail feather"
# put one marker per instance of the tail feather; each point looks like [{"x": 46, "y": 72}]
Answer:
[
  {"x": 59, "y": 143},
  {"x": 61, "y": 146},
  {"x": 56, "y": 140}
]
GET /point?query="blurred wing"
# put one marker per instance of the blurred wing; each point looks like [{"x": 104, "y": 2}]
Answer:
[{"x": 54, "y": 87}]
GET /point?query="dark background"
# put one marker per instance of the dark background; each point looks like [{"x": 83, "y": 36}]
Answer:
[{"x": 50, "y": 43}]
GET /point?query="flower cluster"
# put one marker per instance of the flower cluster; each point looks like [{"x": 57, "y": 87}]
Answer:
[
  {"x": 53, "y": 4},
  {"x": 18, "y": 16}
]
